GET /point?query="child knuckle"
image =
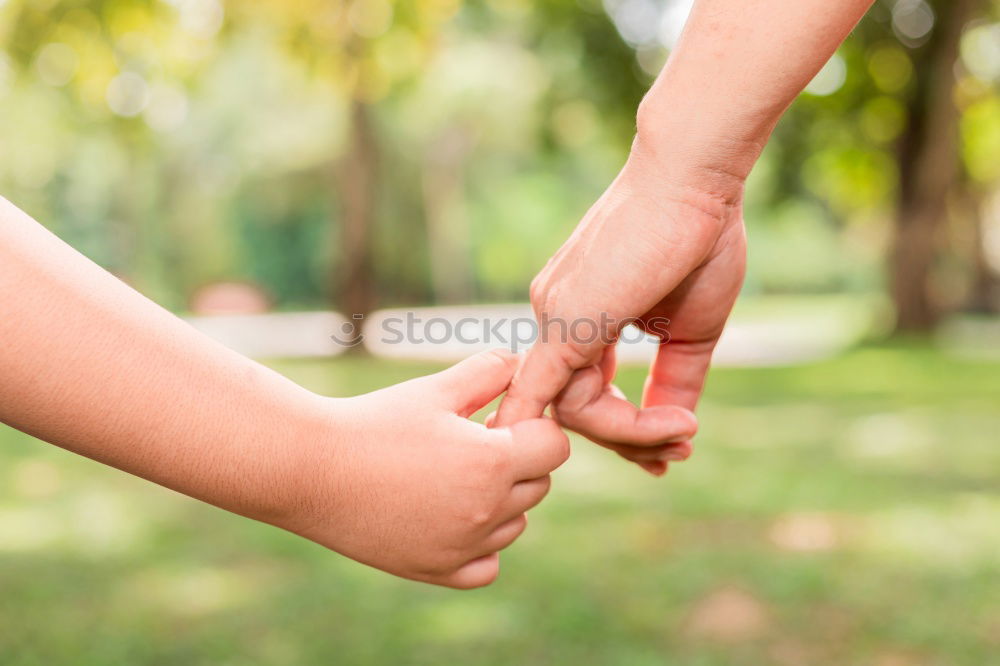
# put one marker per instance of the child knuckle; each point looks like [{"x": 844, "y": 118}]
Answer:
[
  {"x": 563, "y": 448},
  {"x": 556, "y": 439},
  {"x": 480, "y": 516},
  {"x": 499, "y": 357},
  {"x": 494, "y": 462}
]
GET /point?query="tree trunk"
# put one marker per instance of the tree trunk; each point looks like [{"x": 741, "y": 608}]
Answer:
[
  {"x": 356, "y": 184},
  {"x": 447, "y": 229},
  {"x": 928, "y": 165}
]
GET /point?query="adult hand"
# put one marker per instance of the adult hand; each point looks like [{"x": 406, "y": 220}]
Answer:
[
  {"x": 660, "y": 249},
  {"x": 666, "y": 239}
]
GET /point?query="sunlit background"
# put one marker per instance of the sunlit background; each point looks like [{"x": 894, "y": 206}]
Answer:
[{"x": 267, "y": 167}]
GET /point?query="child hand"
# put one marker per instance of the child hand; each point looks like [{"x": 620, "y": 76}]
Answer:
[{"x": 413, "y": 487}]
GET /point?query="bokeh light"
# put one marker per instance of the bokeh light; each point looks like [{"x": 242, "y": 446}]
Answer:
[
  {"x": 912, "y": 21},
  {"x": 128, "y": 94},
  {"x": 830, "y": 78}
]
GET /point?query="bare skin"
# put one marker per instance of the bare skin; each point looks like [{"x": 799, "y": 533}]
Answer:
[
  {"x": 399, "y": 479},
  {"x": 666, "y": 240}
]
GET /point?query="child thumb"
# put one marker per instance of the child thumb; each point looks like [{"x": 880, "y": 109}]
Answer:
[{"x": 470, "y": 385}]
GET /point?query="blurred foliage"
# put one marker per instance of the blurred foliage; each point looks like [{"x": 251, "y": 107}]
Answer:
[{"x": 180, "y": 142}]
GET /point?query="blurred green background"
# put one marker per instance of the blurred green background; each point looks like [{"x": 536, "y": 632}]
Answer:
[
  {"x": 371, "y": 154},
  {"x": 839, "y": 513},
  {"x": 360, "y": 155}
]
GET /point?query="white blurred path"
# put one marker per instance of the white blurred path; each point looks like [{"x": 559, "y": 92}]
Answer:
[{"x": 757, "y": 336}]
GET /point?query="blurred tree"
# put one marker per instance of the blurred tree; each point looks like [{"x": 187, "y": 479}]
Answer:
[
  {"x": 929, "y": 164},
  {"x": 984, "y": 290},
  {"x": 887, "y": 136},
  {"x": 378, "y": 151},
  {"x": 90, "y": 51},
  {"x": 980, "y": 133},
  {"x": 367, "y": 50}
]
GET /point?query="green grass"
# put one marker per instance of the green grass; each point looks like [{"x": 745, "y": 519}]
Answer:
[{"x": 846, "y": 512}]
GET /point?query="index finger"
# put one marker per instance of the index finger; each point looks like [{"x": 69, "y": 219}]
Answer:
[{"x": 542, "y": 375}]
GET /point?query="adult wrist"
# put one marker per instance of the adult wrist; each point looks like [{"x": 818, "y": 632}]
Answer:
[
  {"x": 681, "y": 168},
  {"x": 688, "y": 141}
]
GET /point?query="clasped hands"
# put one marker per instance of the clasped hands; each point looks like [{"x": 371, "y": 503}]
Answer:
[{"x": 433, "y": 496}]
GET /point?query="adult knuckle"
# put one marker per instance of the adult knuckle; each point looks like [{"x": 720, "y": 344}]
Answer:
[{"x": 538, "y": 290}]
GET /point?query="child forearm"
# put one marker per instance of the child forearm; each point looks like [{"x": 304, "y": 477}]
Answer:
[
  {"x": 96, "y": 368},
  {"x": 399, "y": 479}
]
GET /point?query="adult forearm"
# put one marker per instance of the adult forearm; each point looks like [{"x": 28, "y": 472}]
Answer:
[
  {"x": 94, "y": 367},
  {"x": 736, "y": 68}
]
